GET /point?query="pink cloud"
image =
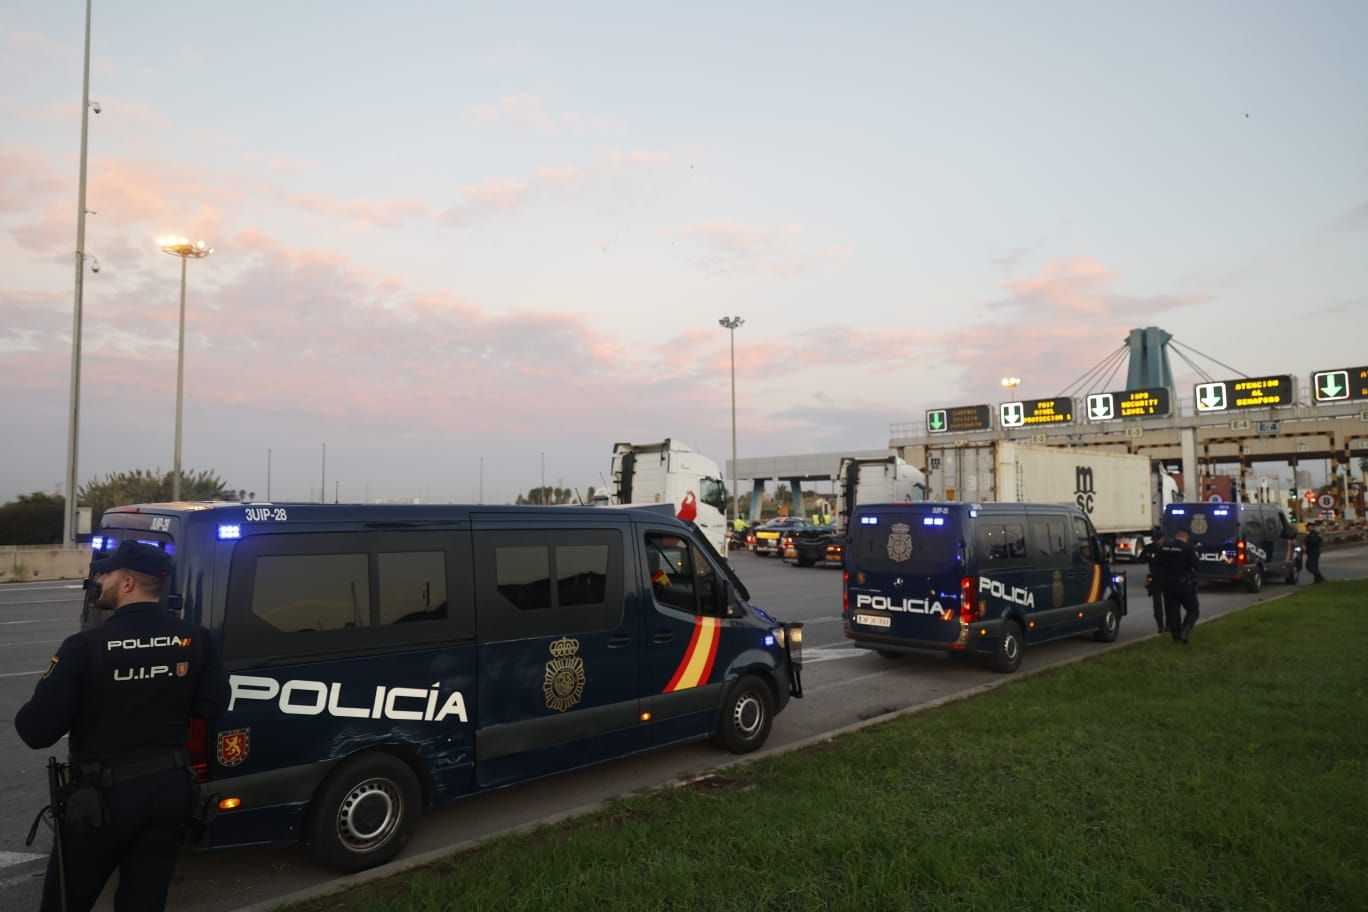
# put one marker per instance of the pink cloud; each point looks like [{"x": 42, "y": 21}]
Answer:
[{"x": 522, "y": 109}]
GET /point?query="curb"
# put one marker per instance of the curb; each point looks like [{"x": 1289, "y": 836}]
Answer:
[{"x": 401, "y": 866}]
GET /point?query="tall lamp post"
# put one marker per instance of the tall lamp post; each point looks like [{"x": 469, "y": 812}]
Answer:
[
  {"x": 180, "y": 247},
  {"x": 74, "y": 409},
  {"x": 731, "y": 325}
]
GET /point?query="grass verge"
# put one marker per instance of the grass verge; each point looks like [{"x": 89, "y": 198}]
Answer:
[{"x": 1228, "y": 774}]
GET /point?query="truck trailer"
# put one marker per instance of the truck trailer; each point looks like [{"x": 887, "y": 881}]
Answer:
[
  {"x": 1123, "y": 494},
  {"x": 885, "y": 480},
  {"x": 671, "y": 472}
]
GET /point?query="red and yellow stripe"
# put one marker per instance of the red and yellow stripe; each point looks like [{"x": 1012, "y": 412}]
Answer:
[
  {"x": 1095, "y": 589},
  {"x": 697, "y": 663}
]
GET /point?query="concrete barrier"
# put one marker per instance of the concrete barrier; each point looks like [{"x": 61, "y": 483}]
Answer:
[{"x": 30, "y": 563}]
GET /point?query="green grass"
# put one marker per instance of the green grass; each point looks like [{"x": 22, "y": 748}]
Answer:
[{"x": 1229, "y": 774}]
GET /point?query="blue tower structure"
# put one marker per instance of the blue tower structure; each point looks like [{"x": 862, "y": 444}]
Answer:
[{"x": 1149, "y": 362}]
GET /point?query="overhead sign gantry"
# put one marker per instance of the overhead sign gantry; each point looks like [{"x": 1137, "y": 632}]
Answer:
[{"x": 1249, "y": 392}]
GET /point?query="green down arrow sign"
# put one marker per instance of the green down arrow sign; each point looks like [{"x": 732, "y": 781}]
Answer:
[
  {"x": 1332, "y": 385},
  {"x": 935, "y": 420}
]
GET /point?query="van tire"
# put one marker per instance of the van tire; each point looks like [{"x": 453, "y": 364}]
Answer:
[
  {"x": 1293, "y": 576},
  {"x": 1007, "y": 658},
  {"x": 802, "y": 562},
  {"x": 1255, "y": 581},
  {"x": 889, "y": 654},
  {"x": 364, "y": 813},
  {"x": 1111, "y": 624},
  {"x": 747, "y": 714}
]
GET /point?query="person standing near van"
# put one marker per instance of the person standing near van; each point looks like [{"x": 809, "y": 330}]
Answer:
[
  {"x": 1177, "y": 574},
  {"x": 125, "y": 692},
  {"x": 1155, "y": 586},
  {"x": 1314, "y": 543}
]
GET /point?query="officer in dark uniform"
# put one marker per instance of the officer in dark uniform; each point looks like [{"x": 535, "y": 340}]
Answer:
[
  {"x": 125, "y": 691},
  {"x": 1177, "y": 574},
  {"x": 1154, "y": 585},
  {"x": 1314, "y": 543}
]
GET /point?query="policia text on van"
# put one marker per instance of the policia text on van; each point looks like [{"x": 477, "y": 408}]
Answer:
[
  {"x": 976, "y": 579},
  {"x": 381, "y": 659}
]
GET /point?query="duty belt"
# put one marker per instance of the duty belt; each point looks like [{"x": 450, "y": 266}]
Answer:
[{"x": 116, "y": 771}]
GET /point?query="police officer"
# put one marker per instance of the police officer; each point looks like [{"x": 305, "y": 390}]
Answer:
[
  {"x": 1314, "y": 543},
  {"x": 125, "y": 691},
  {"x": 1177, "y": 575},
  {"x": 1154, "y": 585}
]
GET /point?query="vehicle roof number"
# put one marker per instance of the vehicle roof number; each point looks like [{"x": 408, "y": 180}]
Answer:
[
  {"x": 265, "y": 514},
  {"x": 161, "y": 524}
]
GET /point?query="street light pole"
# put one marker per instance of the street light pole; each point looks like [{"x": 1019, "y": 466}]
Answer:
[
  {"x": 732, "y": 324},
  {"x": 74, "y": 408},
  {"x": 182, "y": 248}
]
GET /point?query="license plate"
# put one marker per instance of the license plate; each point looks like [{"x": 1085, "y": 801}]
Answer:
[
  {"x": 769, "y": 535},
  {"x": 871, "y": 620}
]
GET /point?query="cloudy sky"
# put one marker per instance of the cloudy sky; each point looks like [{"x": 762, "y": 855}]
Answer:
[{"x": 450, "y": 231}]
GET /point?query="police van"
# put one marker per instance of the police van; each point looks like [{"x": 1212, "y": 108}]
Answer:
[
  {"x": 976, "y": 579},
  {"x": 382, "y": 659},
  {"x": 1238, "y": 542}
]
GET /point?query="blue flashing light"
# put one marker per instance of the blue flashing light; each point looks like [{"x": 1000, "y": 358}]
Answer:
[
  {"x": 973, "y": 514},
  {"x": 933, "y": 520},
  {"x": 97, "y": 544},
  {"x": 769, "y": 639},
  {"x": 149, "y": 541},
  {"x": 169, "y": 548},
  {"x": 1220, "y": 511},
  {"x": 1177, "y": 511},
  {"x": 869, "y": 520},
  {"x": 229, "y": 532}
]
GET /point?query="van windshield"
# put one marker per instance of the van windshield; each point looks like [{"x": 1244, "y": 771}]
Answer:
[
  {"x": 1203, "y": 522},
  {"x": 901, "y": 541}
]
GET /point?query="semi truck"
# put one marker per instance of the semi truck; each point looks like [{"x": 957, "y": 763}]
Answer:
[
  {"x": 670, "y": 472},
  {"x": 867, "y": 480},
  {"x": 1123, "y": 494}
]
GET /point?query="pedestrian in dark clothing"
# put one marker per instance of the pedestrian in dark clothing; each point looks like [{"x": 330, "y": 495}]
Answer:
[
  {"x": 1314, "y": 543},
  {"x": 1177, "y": 565},
  {"x": 125, "y": 691},
  {"x": 1154, "y": 584}
]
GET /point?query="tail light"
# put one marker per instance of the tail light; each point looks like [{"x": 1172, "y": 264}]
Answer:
[
  {"x": 1240, "y": 553},
  {"x": 197, "y": 748},
  {"x": 845, "y": 592},
  {"x": 968, "y": 600}
]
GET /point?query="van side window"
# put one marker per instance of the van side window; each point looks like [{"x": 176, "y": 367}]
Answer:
[
  {"x": 312, "y": 592},
  {"x": 1085, "y": 543},
  {"x": 299, "y": 595},
  {"x": 548, "y": 582},
  {"x": 1051, "y": 541},
  {"x": 681, "y": 577},
  {"x": 1001, "y": 543}
]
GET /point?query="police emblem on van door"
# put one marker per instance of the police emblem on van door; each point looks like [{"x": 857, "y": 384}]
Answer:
[
  {"x": 564, "y": 681},
  {"x": 233, "y": 746},
  {"x": 899, "y": 543},
  {"x": 1198, "y": 525},
  {"x": 1057, "y": 588}
]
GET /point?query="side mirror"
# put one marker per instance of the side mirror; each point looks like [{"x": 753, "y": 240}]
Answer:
[{"x": 729, "y": 607}]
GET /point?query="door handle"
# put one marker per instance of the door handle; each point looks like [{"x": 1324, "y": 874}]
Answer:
[
  {"x": 618, "y": 642},
  {"x": 662, "y": 637}
]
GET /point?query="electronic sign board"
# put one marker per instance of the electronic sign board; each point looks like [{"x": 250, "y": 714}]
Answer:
[
  {"x": 1248, "y": 392},
  {"x": 960, "y": 418},
  {"x": 1143, "y": 403},
  {"x": 1032, "y": 412},
  {"x": 1343, "y": 385}
]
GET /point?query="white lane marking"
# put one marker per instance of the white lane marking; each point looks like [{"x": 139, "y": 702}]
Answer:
[
  {"x": 14, "y": 858},
  {"x": 40, "y": 621},
  {"x": 38, "y": 602},
  {"x": 19, "y": 674},
  {"x": 822, "y": 620},
  {"x": 815, "y": 654},
  {"x": 844, "y": 681},
  {"x": 29, "y": 643}
]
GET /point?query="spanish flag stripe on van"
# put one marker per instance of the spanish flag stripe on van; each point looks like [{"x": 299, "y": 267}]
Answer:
[
  {"x": 697, "y": 663},
  {"x": 1095, "y": 590}
]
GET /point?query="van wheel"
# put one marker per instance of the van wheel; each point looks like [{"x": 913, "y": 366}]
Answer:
[
  {"x": 1007, "y": 659},
  {"x": 364, "y": 814},
  {"x": 1293, "y": 577},
  {"x": 1255, "y": 581},
  {"x": 889, "y": 654},
  {"x": 1111, "y": 624},
  {"x": 803, "y": 562},
  {"x": 747, "y": 713}
]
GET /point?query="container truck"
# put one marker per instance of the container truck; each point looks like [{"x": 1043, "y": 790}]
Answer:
[
  {"x": 670, "y": 472},
  {"x": 884, "y": 480},
  {"x": 1123, "y": 494}
]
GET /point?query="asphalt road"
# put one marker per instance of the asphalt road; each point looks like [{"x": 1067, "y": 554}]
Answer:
[{"x": 844, "y": 685}]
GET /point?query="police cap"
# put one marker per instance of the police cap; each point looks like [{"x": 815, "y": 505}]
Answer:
[{"x": 135, "y": 556}]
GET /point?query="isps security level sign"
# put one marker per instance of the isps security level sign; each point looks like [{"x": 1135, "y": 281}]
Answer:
[
  {"x": 1143, "y": 403},
  {"x": 1246, "y": 393}
]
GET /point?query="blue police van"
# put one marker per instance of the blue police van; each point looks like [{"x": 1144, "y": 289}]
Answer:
[
  {"x": 1238, "y": 542},
  {"x": 382, "y": 659},
  {"x": 983, "y": 580}
]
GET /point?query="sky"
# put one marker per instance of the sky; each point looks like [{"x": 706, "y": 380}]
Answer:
[{"x": 458, "y": 242}]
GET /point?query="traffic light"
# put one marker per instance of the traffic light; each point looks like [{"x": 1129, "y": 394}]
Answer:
[{"x": 1311, "y": 496}]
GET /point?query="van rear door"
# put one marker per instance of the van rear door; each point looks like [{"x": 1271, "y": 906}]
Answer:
[{"x": 905, "y": 565}]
